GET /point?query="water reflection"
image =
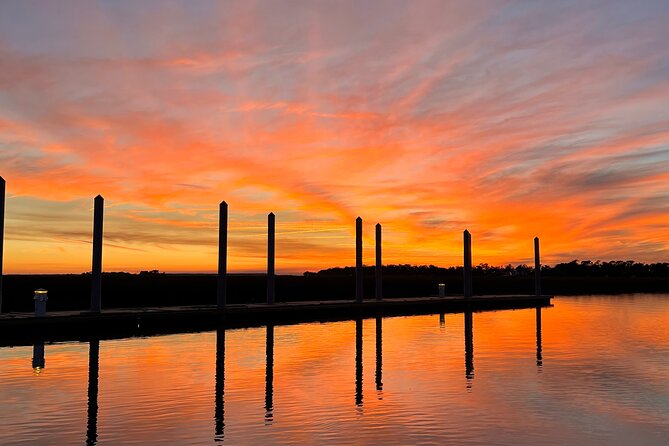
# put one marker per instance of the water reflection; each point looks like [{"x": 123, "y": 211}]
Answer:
[
  {"x": 358, "y": 362},
  {"x": 469, "y": 348},
  {"x": 419, "y": 329},
  {"x": 540, "y": 361},
  {"x": 379, "y": 355},
  {"x": 219, "y": 403},
  {"x": 269, "y": 374},
  {"x": 38, "y": 357},
  {"x": 93, "y": 369}
]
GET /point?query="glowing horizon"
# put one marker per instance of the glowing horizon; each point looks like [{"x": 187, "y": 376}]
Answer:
[{"x": 507, "y": 118}]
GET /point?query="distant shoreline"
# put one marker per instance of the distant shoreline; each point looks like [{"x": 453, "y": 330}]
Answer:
[{"x": 123, "y": 290}]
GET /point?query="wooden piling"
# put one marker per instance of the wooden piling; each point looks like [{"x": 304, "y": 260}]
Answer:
[
  {"x": 537, "y": 268},
  {"x": 270, "y": 257},
  {"x": 358, "y": 260},
  {"x": 96, "y": 284},
  {"x": 379, "y": 265},
  {"x": 2, "y": 231},
  {"x": 221, "y": 293},
  {"x": 467, "y": 241}
]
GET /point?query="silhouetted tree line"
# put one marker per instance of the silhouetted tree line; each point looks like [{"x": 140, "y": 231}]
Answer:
[{"x": 575, "y": 268}]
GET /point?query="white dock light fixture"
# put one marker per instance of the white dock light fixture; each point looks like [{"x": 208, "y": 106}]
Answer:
[{"x": 41, "y": 296}]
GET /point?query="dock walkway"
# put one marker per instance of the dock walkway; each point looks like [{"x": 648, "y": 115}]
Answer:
[{"x": 23, "y": 328}]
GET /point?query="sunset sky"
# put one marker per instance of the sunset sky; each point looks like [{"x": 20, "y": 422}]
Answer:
[{"x": 512, "y": 119}]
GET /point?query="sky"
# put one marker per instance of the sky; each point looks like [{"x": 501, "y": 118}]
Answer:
[{"x": 512, "y": 119}]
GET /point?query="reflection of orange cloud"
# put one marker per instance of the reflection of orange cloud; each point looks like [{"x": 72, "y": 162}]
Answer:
[{"x": 166, "y": 384}]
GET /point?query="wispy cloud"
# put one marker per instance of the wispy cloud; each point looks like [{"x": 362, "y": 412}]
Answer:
[{"x": 510, "y": 118}]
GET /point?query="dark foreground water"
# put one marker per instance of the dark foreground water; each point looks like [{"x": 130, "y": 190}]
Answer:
[{"x": 590, "y": 370}]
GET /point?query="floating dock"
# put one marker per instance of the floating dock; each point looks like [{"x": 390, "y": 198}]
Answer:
[{"x": 24, "y": 328}]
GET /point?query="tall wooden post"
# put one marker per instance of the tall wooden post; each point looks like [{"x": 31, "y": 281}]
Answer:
[
  {"x": 358, "y": 260},
  {"x": 537, "y": 268},
  {"x": 221, "y": 294},
  {"x": 96, "y": 285},
  {"x": 270, "y": 257},
  {"x": 379, "y": 264},
  {"x": 467, "y": 240},
  {"x": 2, "y": 231}
]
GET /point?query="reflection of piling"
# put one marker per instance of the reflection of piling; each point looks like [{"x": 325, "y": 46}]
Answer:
[
  {"x": 93, "y": 371},
  {"x": 2, "y": 231},
  {"x": 540, "y": 360},
  {"x": 537, "y": 268},
  {"x": 379, "y": 353},
  {"x": 221, "y": 293},
  {"x": 379, "y": 265},
  {"x": 96, "y": 285},
  {"x": 467, "y": 239},
  {"x": 358, "y": 362},
  {"x": 469, "y": 345},
  {"x": 270, "y": 257},
  {"x": 38, "y": 356},
  {"x": 269, "y": 373},
  {"x": 442, "y": 320},
  {"x": 219, "y": 404},
  {"x": 358, "y": 260}
]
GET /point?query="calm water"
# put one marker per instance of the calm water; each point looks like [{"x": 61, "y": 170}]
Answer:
[{"x": 591, "y": 370}]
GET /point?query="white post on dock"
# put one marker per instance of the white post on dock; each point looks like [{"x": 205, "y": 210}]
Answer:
[
  {"x": 96, "y": 284},
  {"x": 467, "y": 240},
  {"x": 379, "y": 265},
  {"x": 2, "y": 231},
  {"x": 270, "y": 257},
  {"x": 537, "y": 268},
  {"x": 358, "y": 260},
  {"x": 221, "y": 292}
]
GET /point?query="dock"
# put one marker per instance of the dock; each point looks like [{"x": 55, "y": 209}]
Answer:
[
  {"x": 99, "y": 322},
  {"x": 25, "y": 328}
]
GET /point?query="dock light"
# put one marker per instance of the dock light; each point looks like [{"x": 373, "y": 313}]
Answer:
[
  {"x": 442, "y": 290},
  {"x": 41, "y": 296}
]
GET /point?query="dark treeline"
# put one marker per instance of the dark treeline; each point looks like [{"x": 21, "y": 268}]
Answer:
[
  {"x": 154, "y": 288},
  {"x": 584, "y": 268}
]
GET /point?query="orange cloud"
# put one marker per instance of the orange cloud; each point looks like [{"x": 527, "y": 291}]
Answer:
[{"x": 428, "y": 118}]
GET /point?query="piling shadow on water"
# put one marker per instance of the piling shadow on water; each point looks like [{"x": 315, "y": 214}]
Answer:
[{"x": 38, "y": 363}]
